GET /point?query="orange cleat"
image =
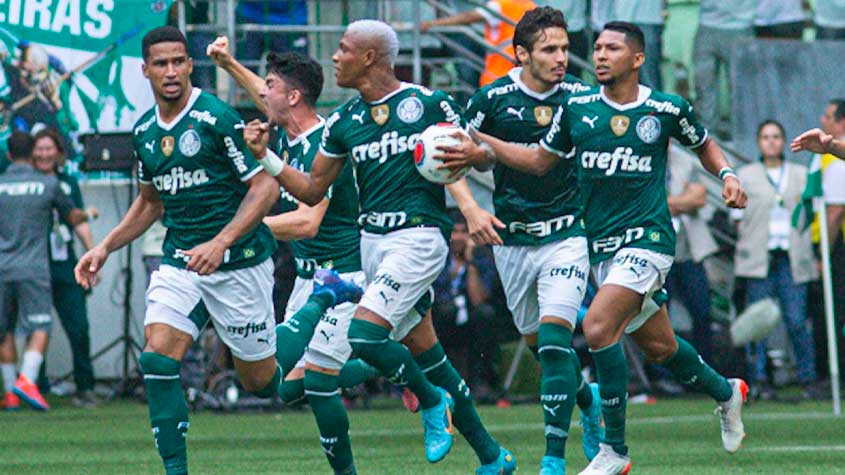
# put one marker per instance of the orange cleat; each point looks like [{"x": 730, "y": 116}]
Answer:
[
  {"x": 11, "y": 402},
  {"x": 30, "y": 394},
  {"x": 410, "y": 400}
]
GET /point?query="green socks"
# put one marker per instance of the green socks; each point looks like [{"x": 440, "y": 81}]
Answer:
[
  {"x": 372, "y": 344},
  {"x": 293, "y": 336},
  {"x": 558, "y": 385},
  {"x": 355, "y": 372},
  {"x": 688, "y": 368},
  {"x": 612, "y": 373},
  {"x": 440, "y": 372},
  {"x": 584, "y": 396},
  {"x": 168, "y": 410},
  {"x": 292, "y": 391},
  {"x": 324, "y": 398}
]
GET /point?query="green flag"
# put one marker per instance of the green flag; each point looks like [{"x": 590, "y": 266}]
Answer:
[{"x": 804, "y": 213}]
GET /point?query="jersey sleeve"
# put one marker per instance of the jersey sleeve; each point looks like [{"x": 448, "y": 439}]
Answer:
[
  {"x": 689, "y": 131},
  {"x": 478, "y": 110},
  {"x": 230, "y": 127},
  {"x": 332, "y": 143},
  {"x": 557, "y": 139}
]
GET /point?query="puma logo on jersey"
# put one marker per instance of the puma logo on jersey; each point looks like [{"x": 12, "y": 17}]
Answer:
[
  {"x": 622, "y": 158},
  {"x": 384, "y": 297},
  {"x": 590, "y": 122},
  {"x": 516, "y": 112},
  {"x": 151, "y": 145},
  {"x": 359, "y": 118},
  {"x": 179, "y": 179}
]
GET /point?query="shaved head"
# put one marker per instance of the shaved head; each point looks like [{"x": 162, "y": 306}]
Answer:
[{"x": 375, "y": 35}]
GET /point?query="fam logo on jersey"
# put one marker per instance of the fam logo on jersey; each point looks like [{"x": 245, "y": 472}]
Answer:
[
  {"x": 190, "y": 143},
  {"x": 380, "y": 114},
  {"x": 543, "y": 114},
  {"x": 168, "y": 143},
  {"x": 619, "y": 124},
  {"x": 410, "y": 110},
  {"x": 648, "y": 129}
]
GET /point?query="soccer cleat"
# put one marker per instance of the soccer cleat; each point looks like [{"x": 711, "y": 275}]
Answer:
[
  {"x": 438, "y": 428},
  {"x": 30, "y": 394},
  {"x": 504, "y": 465},
  {"x": 608, "y": 462},
  {"x": 592, "y": 426},
  {"x": 11, "y": 402},
  {"x": 552, "y": 465},
  {"x": 730, "y": 416},
  {"x": 410, "y": 401},
  {"x": 328, "y": 282}
]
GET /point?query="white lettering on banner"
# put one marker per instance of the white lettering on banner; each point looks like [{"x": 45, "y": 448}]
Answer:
[{"x": 60, "y": 16}]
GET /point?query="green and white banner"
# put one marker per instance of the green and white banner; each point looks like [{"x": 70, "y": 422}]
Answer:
[{"x": 74, "y": 65}]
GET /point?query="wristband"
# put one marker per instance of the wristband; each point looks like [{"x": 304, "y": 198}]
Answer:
[
  {"x": 272, "y": 163},
  {"x": 726, "y": 172}
]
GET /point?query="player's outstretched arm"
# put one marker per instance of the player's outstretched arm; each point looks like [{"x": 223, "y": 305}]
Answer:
[
  {"x": 304, "y": 223},
  {"x": 817, "y": 141},
  {"x": 258, "y": 200},
  {"x": 714, "y": 161},
  {"x": 145, "y": 210},
  {"x": 481, "y": 224},
  {"x": 219, "y": 52}
]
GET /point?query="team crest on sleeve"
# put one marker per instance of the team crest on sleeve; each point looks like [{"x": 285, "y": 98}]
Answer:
[
  {"x": 409, "y": 110},
  {"x": 168, "y": 143},
  {"x": 189, "y": 143},
  {"x": 619, "y": 124},
  {"x": 543, "y": 114},
  {"x": 648, "y": 129},
  {"x": 380, "y": 114}
]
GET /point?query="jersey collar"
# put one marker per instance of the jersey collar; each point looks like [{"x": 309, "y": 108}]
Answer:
[
  {"x": 299, "y": 138},
  {"x": 195, "y": 94},
  {"x": 514, "y": 75},
  {"x": 402, "y": 87},
  {"x": 642, "y": 96}
]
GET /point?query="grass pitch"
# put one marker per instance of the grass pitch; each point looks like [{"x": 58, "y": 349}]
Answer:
[{"x": 670, "y": 437}]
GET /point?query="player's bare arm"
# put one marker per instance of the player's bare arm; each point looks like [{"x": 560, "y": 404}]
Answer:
[
  {"x": 304, "y": 223},
  {"x": 817, "y": 141},
  {"x": 714, "y": 161},
  {"x": 219, "y": 52},
  {"x": 261, "y": 195},
  {"x": 145, "y": 210},
  {"x": 481, "y": 224},
  {"x": 309, "y": 188}
]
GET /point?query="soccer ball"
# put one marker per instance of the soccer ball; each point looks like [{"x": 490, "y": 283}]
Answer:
[{"x": 426, "y": 149}]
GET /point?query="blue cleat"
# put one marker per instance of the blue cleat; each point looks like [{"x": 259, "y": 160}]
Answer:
[
  {"x": 552, "y": 466},
  {"x": 328, "y": 282},
  {"x": 439, "y": 431},
  {"x": 592, "y": 427},
  {"x": 504, "y": 465}
]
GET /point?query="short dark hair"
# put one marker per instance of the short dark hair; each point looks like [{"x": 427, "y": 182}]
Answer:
[
  {"x": 457, "y": 217},
  {"x": 771, "y": 122},
  {"x": 839, "y": 109},
  {"x": 533, "y": 23},
  {"x": 633, "y": 34},
  {"x": 300, "y": 71},
  {"x": 20, "y": 145},
  {"x": 162, "y": 34}
]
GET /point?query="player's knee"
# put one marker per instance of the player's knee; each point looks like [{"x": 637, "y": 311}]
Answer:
[
  {"x": 659, "y": 351},
  {"x": 598, "y": 334},
  {"x": 292, "y": 392},
  {"x": 320, "y": 384},
  {"x": 152, "y": 363},
  {"x": 366, "y": 338}
]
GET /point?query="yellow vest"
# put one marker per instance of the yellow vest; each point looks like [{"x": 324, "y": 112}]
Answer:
[{"x": 827, "y": 159}]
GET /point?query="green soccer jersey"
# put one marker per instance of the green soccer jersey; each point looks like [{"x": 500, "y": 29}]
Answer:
[
  {"x": 621, "y": 153},
  {"x": 379, "y": 137},
  {"x": 199, "y": 164},
  {"x": 535, "y": 210},
  {"x": 337, "y": 244},
  {"x": 62, "y": 253}
]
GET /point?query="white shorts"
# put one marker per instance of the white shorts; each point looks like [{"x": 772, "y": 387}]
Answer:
[
  {"x": 400, "y": 267},
  {"x": 544, "y": 281},
  {"x": 329, "y": 347},
  {"x": 240, "y": 303},
  {"x": 640, "y": 270}
]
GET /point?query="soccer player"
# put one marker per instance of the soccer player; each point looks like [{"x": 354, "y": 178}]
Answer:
[
  {"x": 543, "y": 262},
  {"x": 618, "y": 136},
  {"x": 405, "y": 227},
  {"x": 195, "y": 167},
  {"x": 322, "y": 236}
]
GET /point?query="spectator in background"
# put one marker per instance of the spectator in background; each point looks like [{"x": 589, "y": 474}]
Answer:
[
  {"x": 775, "y": 258},
  {"x": 575, "y": 13},
  {"x": 687, "y": 280},
  {"x": 648, "y": 15},
  {"x": 68, "y": 296},
  {"x": 720, "y": 25},
  {"x": 463, "y": 315},
  {"x": 279, "y": 12},
  {"x": 779, "y": 19},
  {"x": 27, "y": 200},
  {"x": 497, "y": 32},
  {"x": 829, "y": 17}
]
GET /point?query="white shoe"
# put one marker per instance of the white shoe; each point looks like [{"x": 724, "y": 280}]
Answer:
[
  {"x": 730, "y": 416},
  {"x": 608, "y": 462}
]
